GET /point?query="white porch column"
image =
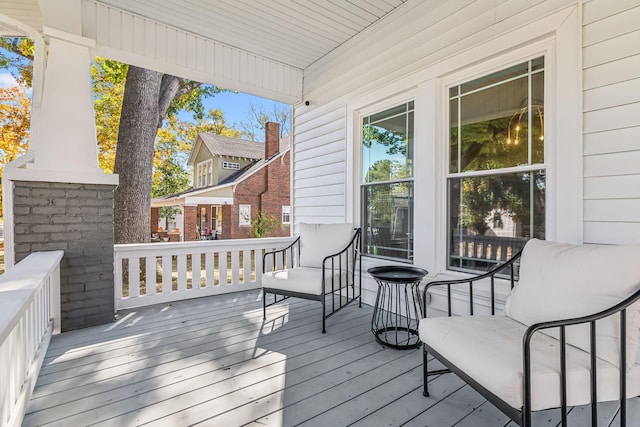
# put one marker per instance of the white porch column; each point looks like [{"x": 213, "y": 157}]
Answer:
[{"x": 67, "y": 124}]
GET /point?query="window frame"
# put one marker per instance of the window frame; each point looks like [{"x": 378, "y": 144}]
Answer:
[
  {"x": 286, "y": 210},
  {"x": 449, "y": 176},
  {"x": 230, "y": 165},
  {"x": 241, "y": 216},
  {"x": 557, "y": 37},
  {"x": 377, "y": 108},
  {"x": 204, "y": 173}
]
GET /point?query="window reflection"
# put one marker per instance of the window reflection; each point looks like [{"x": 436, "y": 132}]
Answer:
[{"x": 387, "y": 182}]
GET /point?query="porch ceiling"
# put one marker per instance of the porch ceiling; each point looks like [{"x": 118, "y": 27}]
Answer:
[{"x": 292, "y": 32}]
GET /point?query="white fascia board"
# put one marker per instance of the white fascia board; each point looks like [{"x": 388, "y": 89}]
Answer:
[{"x": 208, "y": 200}]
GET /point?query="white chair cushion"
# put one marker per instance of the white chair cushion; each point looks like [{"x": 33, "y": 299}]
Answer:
[
  {"x": 559, "y": 281},
  {"x": 489, "y": 349},
  {"x": 319, "y": 240},
  {"x": 303, "y": 279}
]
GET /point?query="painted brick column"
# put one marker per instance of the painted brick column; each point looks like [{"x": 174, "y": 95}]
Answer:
[{"x": 78, "y": 219}]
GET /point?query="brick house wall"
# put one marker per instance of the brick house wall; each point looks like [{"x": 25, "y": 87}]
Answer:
[
  {"x": 266, "y": 191},
  {"x": 190, "y": 231}
]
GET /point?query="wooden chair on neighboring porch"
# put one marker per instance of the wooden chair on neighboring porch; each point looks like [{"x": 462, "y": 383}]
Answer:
[{"x": 322, "y": 264}]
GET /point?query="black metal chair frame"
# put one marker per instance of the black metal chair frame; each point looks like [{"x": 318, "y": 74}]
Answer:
[
  {"x": 337, "y": 261},
  {"x": 523, "y": 417}
]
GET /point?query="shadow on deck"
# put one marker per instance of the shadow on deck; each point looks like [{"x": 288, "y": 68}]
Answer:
[{"x": 214, "y": 361}]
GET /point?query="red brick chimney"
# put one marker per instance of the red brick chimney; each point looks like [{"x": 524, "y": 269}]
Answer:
[{"x": 271, "y": 139}]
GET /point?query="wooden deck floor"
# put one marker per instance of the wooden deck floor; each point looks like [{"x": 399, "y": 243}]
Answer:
[{"x": 213, "y": 361}]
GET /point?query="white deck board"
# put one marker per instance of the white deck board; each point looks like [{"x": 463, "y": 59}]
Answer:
[{"x": 214, "y": 361}]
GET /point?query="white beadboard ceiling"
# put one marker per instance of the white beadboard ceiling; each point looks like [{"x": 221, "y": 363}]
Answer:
[{"x": 293, "y": 32}]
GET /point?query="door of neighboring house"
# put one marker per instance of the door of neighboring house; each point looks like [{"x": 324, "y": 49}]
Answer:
[{"x": 216, "y": 218}]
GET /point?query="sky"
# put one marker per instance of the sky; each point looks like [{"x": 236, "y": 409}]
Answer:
[
  {"x": 7, "y": 80},
  {"x": 236, "y": 105}
]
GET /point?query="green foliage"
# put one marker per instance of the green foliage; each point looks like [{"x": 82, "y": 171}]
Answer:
[
  {"x": 191, "y": 100},
  {"x": 263, "y": 224},
  {"x": 169, "y": 212},
  {"x": 395, "y": 142},
  {"x": 108, "y": 79}
]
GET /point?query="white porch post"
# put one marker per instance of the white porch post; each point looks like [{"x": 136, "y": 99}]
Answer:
[
  {"x": 67, "y": 121},
  {"x": 59, "y": 197}
]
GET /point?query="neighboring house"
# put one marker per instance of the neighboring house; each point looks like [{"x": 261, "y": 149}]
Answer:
[{"x": 234, "y": 180}]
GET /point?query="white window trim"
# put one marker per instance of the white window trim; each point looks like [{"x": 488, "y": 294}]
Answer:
[
  {"x": 379, "y": 107},
  {"x": 557, "y": 37},
  {"x": 242, "y": 223},
  {"x": 204, "y": 173},
  {"x": 231, "y": 165},
  {"x": 287, "y": 210}
]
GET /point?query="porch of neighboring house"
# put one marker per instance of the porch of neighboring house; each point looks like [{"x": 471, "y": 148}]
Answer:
[{"x": 214, "y": 361}]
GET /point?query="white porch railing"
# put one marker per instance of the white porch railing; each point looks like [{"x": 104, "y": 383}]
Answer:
[
  {"x": 153, "y": 273},
  {"x": 29, "y": 315}
]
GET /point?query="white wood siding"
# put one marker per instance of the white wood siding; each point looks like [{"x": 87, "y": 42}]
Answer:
[
  {"x": 611, "y": 58},
  {"x": 140, "y": 41},
  {"x": 320, "y": 167},
  {"x": 416, "y": 39}
]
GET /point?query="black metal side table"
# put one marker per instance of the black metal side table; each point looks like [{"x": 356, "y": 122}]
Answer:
[{"x": 397, "y": 310}]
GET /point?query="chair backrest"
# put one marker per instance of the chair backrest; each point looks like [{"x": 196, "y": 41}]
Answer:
[
  {"x": 320, "y": 240},
  {"x": 561, "y": 281}
]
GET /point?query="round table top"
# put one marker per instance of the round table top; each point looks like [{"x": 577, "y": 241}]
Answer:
[{"x": 398, "y": 273}]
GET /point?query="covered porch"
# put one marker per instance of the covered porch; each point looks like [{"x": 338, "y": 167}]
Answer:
[
  {"x": 214, "y": 361},
  {"x": 190, "y": 346}
]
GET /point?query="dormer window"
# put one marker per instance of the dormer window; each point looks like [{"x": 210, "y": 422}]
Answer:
[
  {"x": 204, "y": 173},
  {"x": 230, "y": 165}
]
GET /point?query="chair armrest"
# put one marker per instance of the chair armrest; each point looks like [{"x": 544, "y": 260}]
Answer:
[
  {"x": 355, "y": 242},
  {"x": 509, "y": 264},
  {"x": 283, "y": 252},
  {"x": 562, "y": 324}
]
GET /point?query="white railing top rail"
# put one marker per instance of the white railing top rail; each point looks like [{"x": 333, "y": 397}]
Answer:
[
  {"x": 183, "y": 248},
  {"x": 18, "y": 287}
]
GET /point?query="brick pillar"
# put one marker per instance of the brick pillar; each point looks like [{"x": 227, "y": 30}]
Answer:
[
  {"x": 271, "y": 139},
  {"x": 78, "y": 219},
  {"x": 154, "y": 220},
  {"x": 190, "y": 231},
  {"x": 229, "y": 221}
]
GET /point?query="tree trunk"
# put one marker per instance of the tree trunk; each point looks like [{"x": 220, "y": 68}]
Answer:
[
  {"x": 134, "y": 156},
  {"x": 147, "y": 97}
]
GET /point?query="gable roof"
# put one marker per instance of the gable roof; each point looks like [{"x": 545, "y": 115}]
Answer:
[
  {"x": 230, "y": 181},
  {"x": 219, "y": 145}
]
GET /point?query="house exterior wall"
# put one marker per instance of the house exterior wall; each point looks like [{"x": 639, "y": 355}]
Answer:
[
  {"x": 611, "y": 59},
  {"x": 263, "y": 191},
  {"x": 190, "y": 223},
  {"x": 219, "y": 173},
  {"x": 409, "y": 56}
]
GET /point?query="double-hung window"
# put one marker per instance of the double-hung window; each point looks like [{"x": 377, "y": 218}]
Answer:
[
  {"x": 387, "y": 183},
  {"x": 496, "y": 167},
  {"x": 286, "y": 214},
  {"x": 204, "y": 173}
]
